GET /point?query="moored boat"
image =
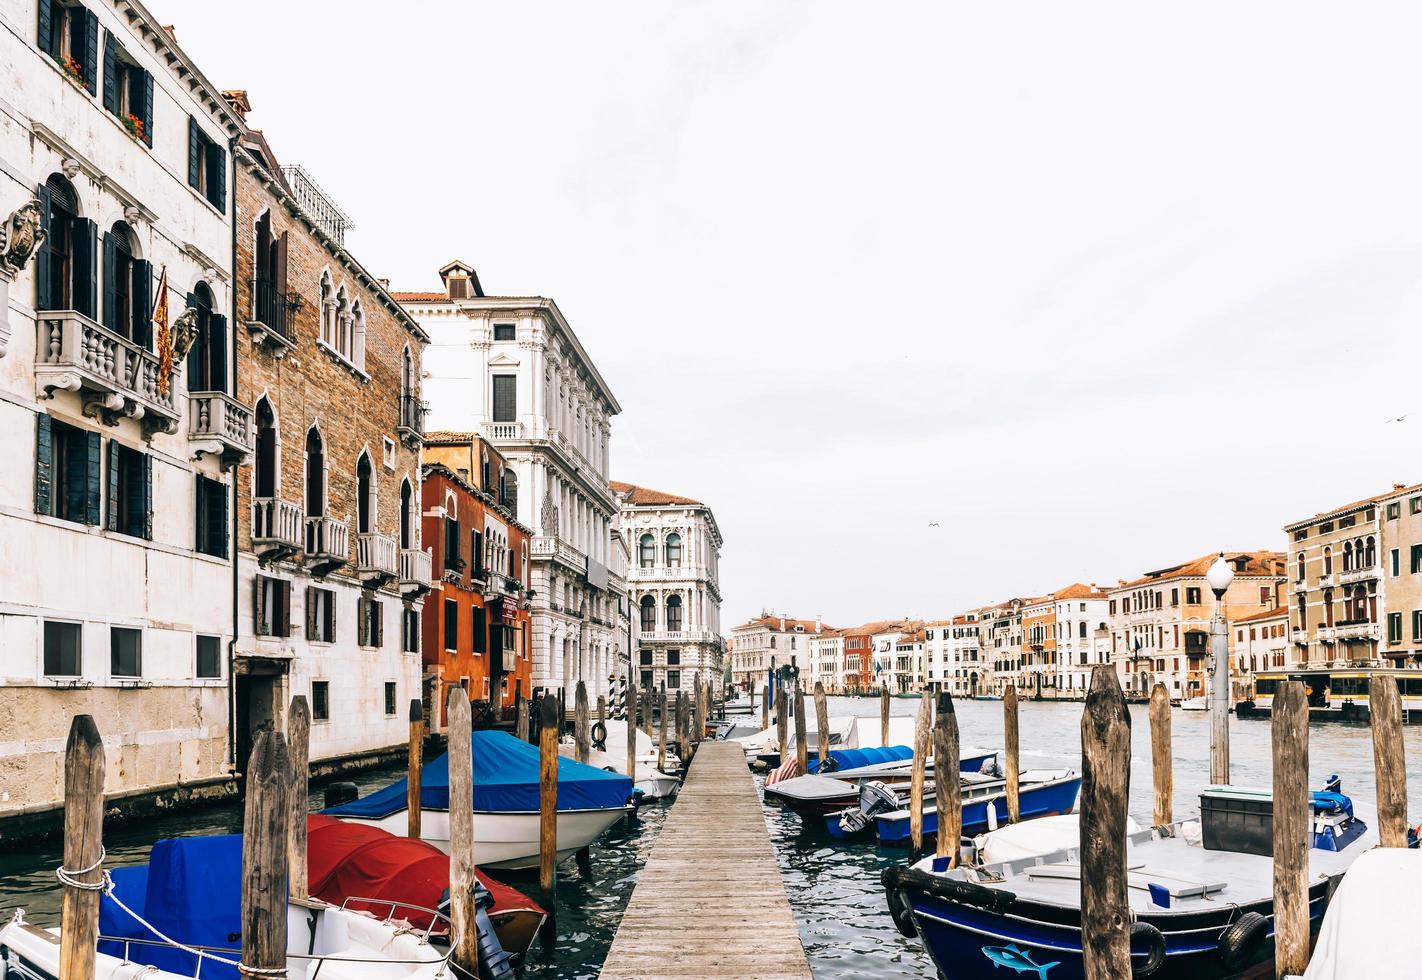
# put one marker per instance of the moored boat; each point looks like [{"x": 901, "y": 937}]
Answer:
[
  {"x": 884, "y": 813},
  {"x": 1338, "y": 692},
  {"x": 649, "y": 782},
  {"x": 817, "y": 795}
]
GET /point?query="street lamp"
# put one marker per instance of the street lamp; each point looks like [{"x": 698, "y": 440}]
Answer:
[{"x": 1219, "y": 577}]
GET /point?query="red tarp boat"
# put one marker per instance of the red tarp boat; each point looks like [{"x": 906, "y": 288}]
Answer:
[{"x": 353, "y": 860}]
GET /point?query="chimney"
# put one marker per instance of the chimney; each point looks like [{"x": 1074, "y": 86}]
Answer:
[
  {"x": 171, "y": 31},
  {"x": 782, "y": 624},
  {"x": 383, "y": 284},
  {"x": 1399, "y": 486},
  {"x": 237, "y": 99}
]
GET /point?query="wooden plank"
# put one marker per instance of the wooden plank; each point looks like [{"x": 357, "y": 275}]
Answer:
[
  {"x": 1292, "y": 829},
  {"x": 916, "y": 782},
  {"x": 883, "y": 714},
  {"x": 580, "y": 723},
  {"x": 802, "y": 749},
  {"x": 736, "y": 920},
  {"x": 822, "y": 723},
  {"x": 415, "y": 767}
]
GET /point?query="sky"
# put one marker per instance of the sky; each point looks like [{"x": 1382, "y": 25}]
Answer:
[{"x": 933, "y": 303}]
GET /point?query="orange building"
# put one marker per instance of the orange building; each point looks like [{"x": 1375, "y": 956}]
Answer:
[{"x": 476, "y": 630}]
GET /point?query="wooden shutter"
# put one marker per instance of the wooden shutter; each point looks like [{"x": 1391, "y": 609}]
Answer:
[
  {"x": 377, "y": 622},
  {"x": 91, "y": 50},
  {"x": 86, "y": 247},
  {"x": 46, "y": 29},
  {"x": 505, "y": 398},
  {"x": 195, "y": 160},
  {"x": 147, "y": 111},
  {"x": 76, "y": 456},
  {"x": 363, "y": 621},
  {"x": 279, "y": 244},
  {"x": 141, "y": 299},
  {"x": 217, "y": 346},
  {"x": 259, "y": 619},
  {"x": 217, "y": 175},
  {"x": 44, "y": 456},
  {"x": 220, "y": 513},
  {"x": 140, "y": 497},
  {"x": 311, "y": 612},
  {"x": 111, "y": 87},
  {"x": 92, "y": 475},
  {"x": 112, "y": 517},
  {"x": 111, "y": 283},
  {"x": 330, "y": 613},
  {"x": 284, "y": 592},
  {"x": 195, "y": 352}
]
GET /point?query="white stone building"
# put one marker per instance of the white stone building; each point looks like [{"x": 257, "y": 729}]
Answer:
[
  {"x": 769, "y": 642},
  {"x": 971, "y": 669},
  {"x": 118, "y": 588},
  {"x": 1083, "y": 637},
  {"x": 827, "y": 661},
  {"x": 675, "y": 586},
  {"x": 510, "y": 369}
]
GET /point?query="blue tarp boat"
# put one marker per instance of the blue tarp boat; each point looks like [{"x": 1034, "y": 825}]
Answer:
[
  {"x": 847, "y": 760},
  {"x": 1041, "y": 793}
]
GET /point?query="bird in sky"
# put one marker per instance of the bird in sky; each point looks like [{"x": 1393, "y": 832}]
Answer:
[
  {"x": 933, "y": 524},
  {"x": 1397, "y": 419}
]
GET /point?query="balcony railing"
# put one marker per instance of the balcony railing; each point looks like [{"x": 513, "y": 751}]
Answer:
[
  {"x": 328, "y": 541},
  {"x": 411, "y": 427},
  {"x": 547, "y": 546},
  {"x": 504, "y": 585},
  {"x": 115, "y": 376},
  {"x": 505, "y": 430},
  {"x": 276, "y": 526},
  {"x": 1356, "y": 629},
  {"x": 1298, "y": 635},
  {"x": 676, "y": 636},
  {"x": 1358, "y": 575},
  {"x": 376, "y": 555},
  {"x": 221, "y": 424},
  {"x": 269, "y": 312},
  {"x": 416, "y": 570}
]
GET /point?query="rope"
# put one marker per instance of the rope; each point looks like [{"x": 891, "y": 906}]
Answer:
[{"x": 71, "y": 878}]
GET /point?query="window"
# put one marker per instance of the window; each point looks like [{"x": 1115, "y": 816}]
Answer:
[
  {"x": 646, "y": 679},
  {"x": 1264, "y": 594},
  {"x": 1326, "y": 527},
  {"x": 673, "y": 549},
  {"x": 348, "y": 341},
  {"x": 320, "y": 615},
  {"x": 451, "y": 625},
  {"x": 648, "y": 607},
  {"x": 1394, "y": 627},
  {"x": 207, "y": 358},
  {"x": 480, "y": 626},
  {"x": 70, "y": 35},
  {"x": 1416, "y": 625},
  {"x": 320, "y": 700},
  {"x": 125, "y": 652},
  {"x": 66, "y": 270},
  {"x": 365, "y": 495},
  {"x": 130, "y": 491},
  {"x": 476, "y": 551},
  {"x": 209, "y": 656},
  {"x": 128, "y": 288},
  {"x": 1082, "y": 630},
  {"x": 315, "y": 475},
  {"x": 1414, "y": 506},
  {"x": 62, "y": 645},
  {"x": 370, "y": 618},
  {"x": 1175, "y": 597},
  {"x": 505, "y": 398},
  {"x": 1393, "y": 511},
  {"x": 1303, "y": 612},
  {"x": 273, "y": 606},
  {"x": 1396, "y": 561},
  {"x": 673, "y": 658},
  {"x": 452, "y": 559},
  {"x": 410, "y": 631},
  {"x": 389, "y": 697},
  {"x": 128, "y": 91},
  {"x": 673, "y": 679},
  {"x": 646, "y": 551},
  {"x": 1416, "y": 558},
  {"x": 211, "y": 517},
  {"x": 66, "y": 471},
  {"x": 207, "y": 170},
  {"x": 504, "y": 331},
  {"x": 674, "y": 615}
]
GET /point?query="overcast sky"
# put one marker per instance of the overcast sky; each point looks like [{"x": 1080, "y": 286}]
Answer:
[{"x": 1094, "y": 288}]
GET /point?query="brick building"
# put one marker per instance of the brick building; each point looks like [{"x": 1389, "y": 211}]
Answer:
[{"x": 333, "y": 572}]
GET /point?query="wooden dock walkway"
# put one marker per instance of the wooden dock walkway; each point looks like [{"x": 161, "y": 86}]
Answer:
[{"x": 710, "y": 902}]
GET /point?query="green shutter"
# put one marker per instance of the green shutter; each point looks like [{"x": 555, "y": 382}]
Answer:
[
  {"x": 92, "y": 482},
  {"x": 195, "y": 351},
  {"x": 217, "y": 345},
  {"x": 111, "y": 515},
  {"x": 147, "y": 496},
  {"x": 194, "y": 152},
  {"x": 110, "y": 310},
  {"x": 111, "y": 88},
  {"x": 142, "y": 299},
  {"x": 46, "y": 29},
  {"x": 86, "y": 246},
  {"x": 147, "y": 114},
  {"x": 43, "y": 290},
  {"x": 44, "y": 465},
  {"x": 91, "y": 50},
  {"x": 217, "y": 175}
]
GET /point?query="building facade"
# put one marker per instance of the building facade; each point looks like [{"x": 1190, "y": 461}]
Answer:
[
  {"x": 115, "y": 196},
  {"x": 333, "y": 570},
  {"x": 511, "y": 370},
  {"x": 1082, "y": 633},
  {"x": 768, "y": 643},
  {"x": 827, "y": 661},
  {"x": 675, "y": 585},
  {"x": 1261, "y": 642}
]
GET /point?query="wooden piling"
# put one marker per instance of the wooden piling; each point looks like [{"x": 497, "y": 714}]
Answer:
[
  {"x": 1292, "y": 829},
  {"x": 631, "y": 728},
  {"x": 782, "y": 724},
  {"x": 264, "y": 853},
  {"x": 698, "y": 713},
  {"x": 462, "y": 908},
  {"x": 920, "y": 764},
  {"x": 662, "y": 731},
  {"x": 676, "y": 726},
  {"x": 684, "y": 734},
  {"x": 1385, "y": 707},
  {"x": 521, "y": 719},
  {"x": 580, "y": 723},
  {"x": 602, "y": 716},
  {"x": 1105, "y": 787},
  {"x": 83, "y": 849},
  {"x": 802, "y": 748},
  {"x": 548, "y": 815},
  {"x": 415, "y": 775},
  {"x": 298, "y": 737},
  {"x": 647, "y": 710},
  {"x": 947, "y": 786},
  {"x": 1161, "y": 756},
  {"x": 822, "y": 723},
  {"x": 765, "y": 708},
  {"x": 1010, "y": 763},
  {"x": 883, "y": 714}
]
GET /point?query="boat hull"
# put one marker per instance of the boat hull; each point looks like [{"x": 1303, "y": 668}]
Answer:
[
  {"x": 1045, "y": 800},
  {"x": 507, "y": 840}
]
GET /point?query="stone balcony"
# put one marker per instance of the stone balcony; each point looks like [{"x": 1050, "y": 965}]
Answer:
[
  {"x": 503, "y": 585},
  {"x": 276, "y": 528},
  {"x": 220, "y": 425},
  {"x": 505, "y": 430},
  {"x": 547, "y": 547},
  {"x": 1358, "y": 575},
  {"x": 416, "y": 572},
  {"x": 676, "y": 636},
  {"x": 327, "y": 544},
  {"x": 377, "y": 558},
  {"x": 1350, "y": 631},
  {"x": 115, "y": 377}
]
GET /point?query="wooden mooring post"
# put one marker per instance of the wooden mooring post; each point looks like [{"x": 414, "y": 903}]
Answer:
[
  {"x": 661, "y": 732},
  {"x": 602, "y": 718},
  {"x": 884, "y": 714},
  {"x": 948, "y": 789},
  {"x": 1385, "y": 707},
  {"x": 1105, "y": 788},
  {"x": 415, "y": 766},
  {"x": 683, "y": 735},
  {"x": 647, "y": 709},
  {"x": 463, "y": 911},
  {"x": 521, "y": 719},
  {"x": 1161, "y": 757},
  {"x": 802, "y": 747},
  {"x": 548, "y": 817},
  {"x": 631, "y": 729},
  {"x": 1292, "y": 828},
  {"x": 822, "y": 723},
  {"x": 265, "y": 817},
  {"x": 1011, "y": 765},
  {"x": 782, "y": 723},
  {"x": 298, "y": 736},
  {"x": 765, "y": 708},
  {"x": 920, "y": 763},
  {"x": 83, "y": 849},
  {"x": 580, "y": 723}
]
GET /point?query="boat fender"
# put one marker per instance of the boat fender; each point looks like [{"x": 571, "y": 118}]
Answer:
[
  {"x": 952, "y": 889},
  {"x": 898, "y": 905},
  {"x": 1240, "y": 939},
  {"x": 599, "y": 736},
  {"x": 1143, "y": 933}
]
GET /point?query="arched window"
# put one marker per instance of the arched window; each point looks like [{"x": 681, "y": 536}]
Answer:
[
  {"x": 1347, "y": 556},
  {"x": 649, "y": 614},
  {"x": 357, "y": 351},
  {"x": 408, "y": 535},
  {"x": 128, "y": 287},
  {"x": 328, "y": 308},
  {"x": 646, "y": 551},
  {"x": 407, "y": 373},
  {"x": 674, "y": 613},
  {"x": 365, "y": 495},
  {"x": 1301, "y": 566},
  {"x": 344, "y": 332},
  {"x": 1328, "y": 607},
  {"x": 509, "y": 492},
  {"x": 266, "y": 464},
  {"x": 1303, "y": 612},
  {"x": 269, "y": 286},
  {"x": 1370, "y": 554},
  {"x": 207, "y": 359},
  {"x": 315, "y": 474},
  {"x": 1327, "y": 560},
  {"x": 673, "y": 549},
  {"x": 65, "y": 273}
]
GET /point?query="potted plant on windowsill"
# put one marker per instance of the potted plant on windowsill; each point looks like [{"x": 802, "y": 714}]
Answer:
[
  {"x": 134, "y": 125},
  {"x": 72, "y": 69}
]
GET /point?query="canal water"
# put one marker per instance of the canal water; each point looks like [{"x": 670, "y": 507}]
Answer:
[{"x": 833, "y": 888}]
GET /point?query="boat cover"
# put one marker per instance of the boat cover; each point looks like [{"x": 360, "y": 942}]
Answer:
[
  {"x": 1370, "y": 929},
  {"x": 856, "y": 758},
  {"x": 1032, "y": 838},
  {"x": 505, "y": 781}
]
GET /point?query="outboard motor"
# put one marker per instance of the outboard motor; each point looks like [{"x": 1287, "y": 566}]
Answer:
[
  {"x": 990, "y": 768},
  {"x": 874, "y": 798},
  {"x": 1333, "y": 784}
]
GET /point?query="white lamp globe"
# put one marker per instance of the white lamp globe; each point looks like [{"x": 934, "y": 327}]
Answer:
[{"x": 1220, "y": 575}]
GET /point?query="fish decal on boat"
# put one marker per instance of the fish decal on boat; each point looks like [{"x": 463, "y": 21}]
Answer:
[{"x": 1017, "y": 960}]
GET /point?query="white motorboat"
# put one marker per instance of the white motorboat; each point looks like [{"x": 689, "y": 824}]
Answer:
[
  {"x": 1195, "y": 704},
  {"x": 503, "y": 839},
  {"x": 653, "y": 785},
  {"x": 615, "y": 745}
]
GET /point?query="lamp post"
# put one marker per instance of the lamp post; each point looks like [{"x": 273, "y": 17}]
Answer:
[{"x": 1219, "y": 576}]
